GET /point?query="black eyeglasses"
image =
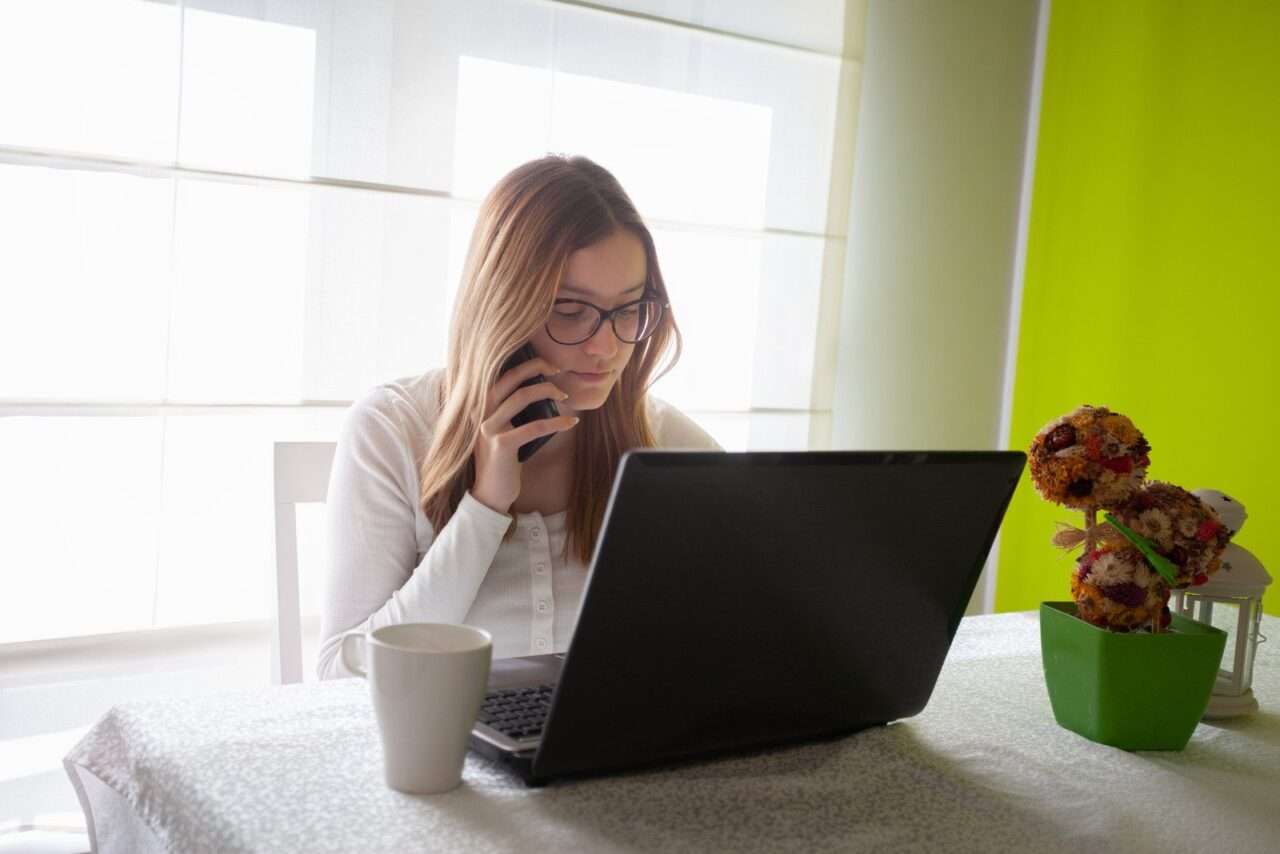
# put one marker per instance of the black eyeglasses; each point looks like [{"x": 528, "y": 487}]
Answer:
[{"x": 573, "y": 321}]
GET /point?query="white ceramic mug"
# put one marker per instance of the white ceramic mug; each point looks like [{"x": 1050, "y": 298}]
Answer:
[{"x": 427, "y": 681}]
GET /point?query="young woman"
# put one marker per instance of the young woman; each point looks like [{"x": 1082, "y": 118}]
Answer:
[{"x": 431, "y": 515}]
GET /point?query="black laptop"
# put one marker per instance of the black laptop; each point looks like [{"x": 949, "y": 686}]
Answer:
[{"x": 739, "y": 600}]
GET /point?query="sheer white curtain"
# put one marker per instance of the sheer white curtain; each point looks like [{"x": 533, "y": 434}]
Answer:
[{"x": 223, "y": 220}]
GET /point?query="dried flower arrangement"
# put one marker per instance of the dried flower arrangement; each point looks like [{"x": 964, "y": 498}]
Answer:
[{"x": 1155, "y": 536}]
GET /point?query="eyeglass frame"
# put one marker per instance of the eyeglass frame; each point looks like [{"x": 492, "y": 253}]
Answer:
[{"x": 608, "y": 314}]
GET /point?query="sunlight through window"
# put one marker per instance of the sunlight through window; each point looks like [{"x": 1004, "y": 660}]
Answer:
[{"x": 217, "y": 313}]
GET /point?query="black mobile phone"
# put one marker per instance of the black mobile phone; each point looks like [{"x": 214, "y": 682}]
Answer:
[{"x": 534, "y": 411}]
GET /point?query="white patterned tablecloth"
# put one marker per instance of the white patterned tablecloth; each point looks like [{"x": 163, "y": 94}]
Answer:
[{"x": 983, "y": 768}]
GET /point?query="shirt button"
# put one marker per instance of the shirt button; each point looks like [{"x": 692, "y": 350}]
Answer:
[
  {"x": 542, "y": 606},
  {"x": 540, "y": 568},
  {"x": 533, "y": 535},
  {"x": 539, "y": 643}
]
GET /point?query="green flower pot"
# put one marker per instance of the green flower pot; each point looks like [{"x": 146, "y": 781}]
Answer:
[{"x": 1136, "y": 691}]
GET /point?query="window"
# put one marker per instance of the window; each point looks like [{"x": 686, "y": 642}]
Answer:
[{"x": 225, "y": 220}]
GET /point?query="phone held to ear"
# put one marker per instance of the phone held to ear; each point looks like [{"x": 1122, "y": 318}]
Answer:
[{"x": 534, "y": 411}]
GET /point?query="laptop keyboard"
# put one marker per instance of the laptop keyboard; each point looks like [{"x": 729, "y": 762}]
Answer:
[{"x": 517, "y": 713}]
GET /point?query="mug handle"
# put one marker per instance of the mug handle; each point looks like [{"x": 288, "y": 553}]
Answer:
[{"x": 357, "y": 669}]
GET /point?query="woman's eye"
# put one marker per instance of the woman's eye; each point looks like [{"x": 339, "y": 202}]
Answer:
[
  {"x": 629, "y": 312},
  {"x": 568, "y": 314}
]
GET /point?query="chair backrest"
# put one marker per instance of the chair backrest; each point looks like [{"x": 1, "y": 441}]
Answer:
[{"x": 301, "y": 475}]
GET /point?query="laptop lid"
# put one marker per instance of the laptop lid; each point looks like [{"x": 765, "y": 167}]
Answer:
[{"x": 743, "y": 599}]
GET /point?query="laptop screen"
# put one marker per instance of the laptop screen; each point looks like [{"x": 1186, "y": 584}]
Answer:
[{"x": 740, "y": 599}]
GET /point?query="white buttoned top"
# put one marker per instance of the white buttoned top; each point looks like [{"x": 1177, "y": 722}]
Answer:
[{"x": 386, "y": 565}]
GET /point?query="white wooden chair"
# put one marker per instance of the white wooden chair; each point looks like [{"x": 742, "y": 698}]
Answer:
[{"x": 301, "y": 475}]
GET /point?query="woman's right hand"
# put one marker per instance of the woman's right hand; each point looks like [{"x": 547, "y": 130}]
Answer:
[{"x": 497, "y": 483}]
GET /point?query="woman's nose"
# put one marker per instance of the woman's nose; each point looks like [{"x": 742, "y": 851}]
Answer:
[{"x": 603, "y": 343}]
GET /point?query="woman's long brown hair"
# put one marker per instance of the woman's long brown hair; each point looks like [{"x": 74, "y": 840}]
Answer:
[{"x": 528, "y": 226}]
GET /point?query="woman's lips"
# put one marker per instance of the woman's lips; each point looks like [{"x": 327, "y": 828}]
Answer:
[{"x": 588, "y": 377}]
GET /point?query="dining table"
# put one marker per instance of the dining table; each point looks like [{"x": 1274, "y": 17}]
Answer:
[{"x": 984, "y": 767}]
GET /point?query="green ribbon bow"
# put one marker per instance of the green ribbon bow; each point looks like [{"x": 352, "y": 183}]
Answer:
[{"x": 1160, "y": 563}]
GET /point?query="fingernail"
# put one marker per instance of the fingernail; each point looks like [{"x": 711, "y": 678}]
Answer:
[{"x": 576, "y": 420}]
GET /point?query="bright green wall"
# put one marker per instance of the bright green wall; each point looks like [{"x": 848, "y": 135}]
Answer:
[{"x": 1154, "y": 258}]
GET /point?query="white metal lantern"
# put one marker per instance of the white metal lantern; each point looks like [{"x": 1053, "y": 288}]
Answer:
[{"x": 1236, "y": 587}]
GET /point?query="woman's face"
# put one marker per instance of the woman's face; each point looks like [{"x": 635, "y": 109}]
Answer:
[{"x": 606, "y": 274}]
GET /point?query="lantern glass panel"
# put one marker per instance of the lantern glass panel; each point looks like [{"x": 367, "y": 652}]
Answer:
[
  {"x": 1254, "y": 609},
  {"x": 1225, "y": 615}
]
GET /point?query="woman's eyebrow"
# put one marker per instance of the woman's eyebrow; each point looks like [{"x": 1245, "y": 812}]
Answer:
[{"x": 584, "y": 292}]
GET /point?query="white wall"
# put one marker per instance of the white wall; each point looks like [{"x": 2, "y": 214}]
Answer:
[
  {"x": 936, "y": 184},
  {"x": 948, "y": 105}
]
